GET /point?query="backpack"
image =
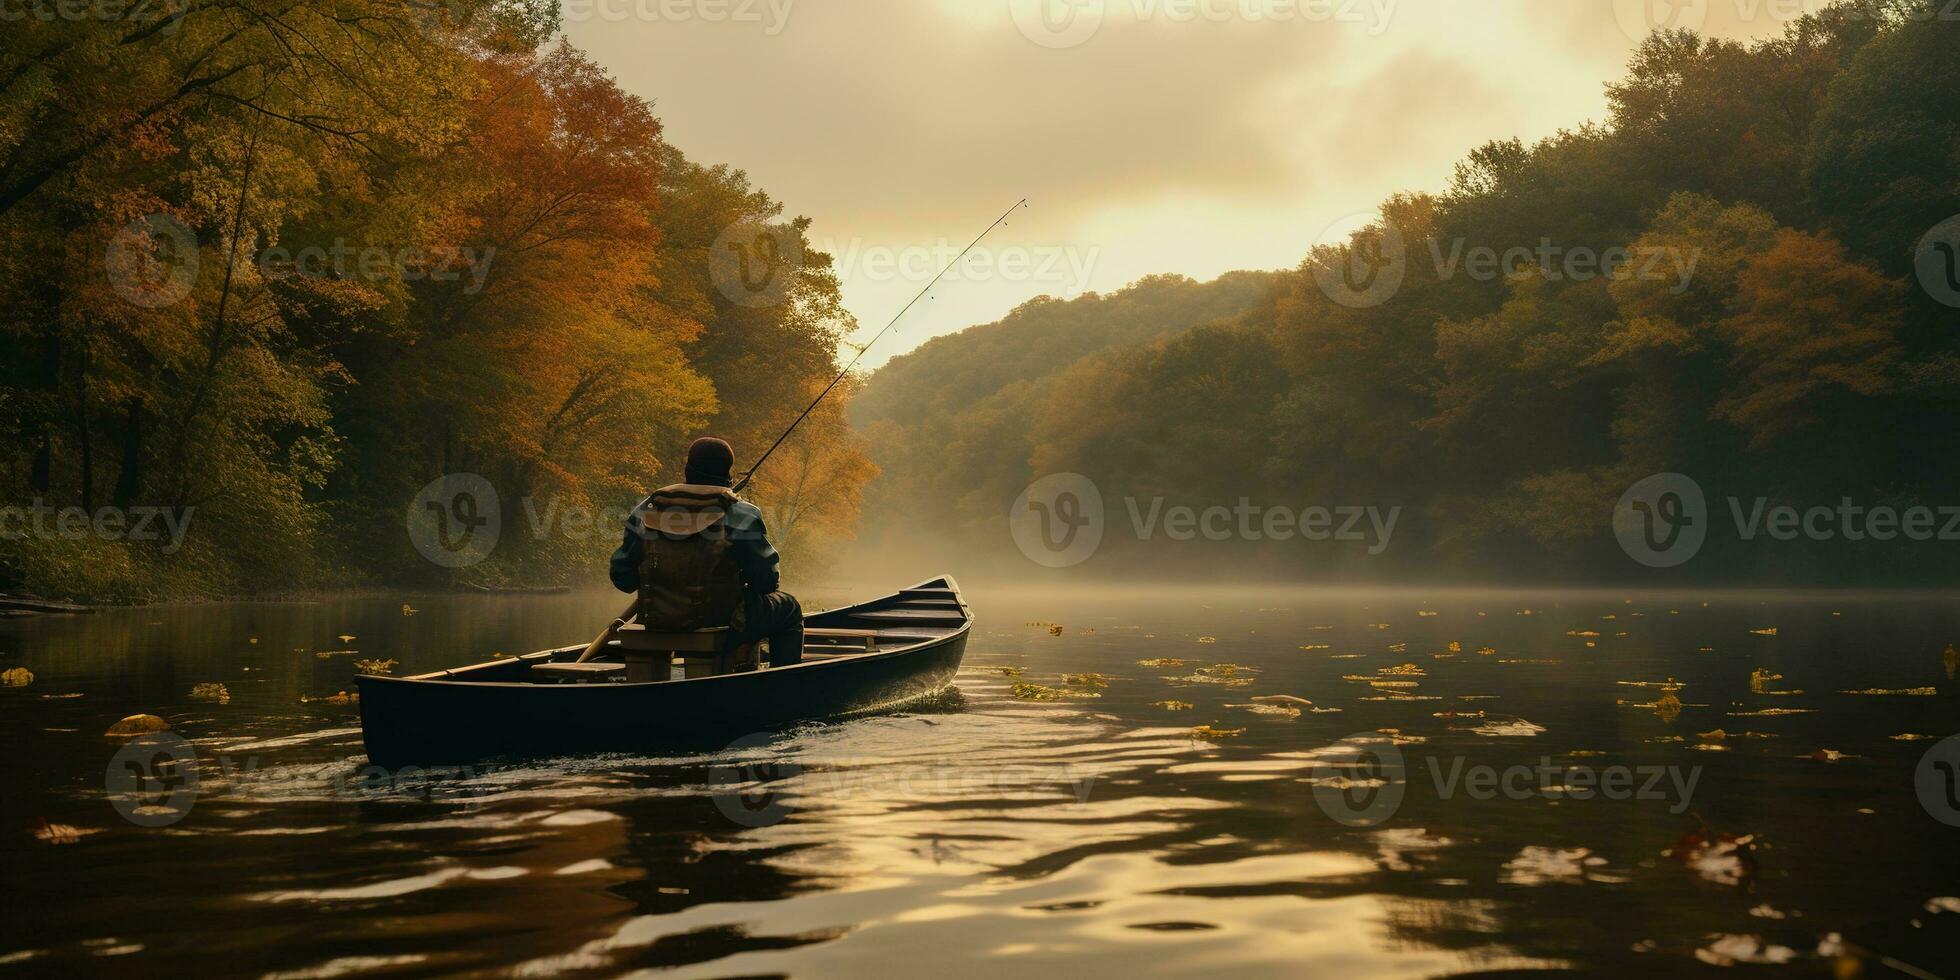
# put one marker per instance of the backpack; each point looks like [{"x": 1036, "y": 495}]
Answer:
[{"x": 689, "y": 578}]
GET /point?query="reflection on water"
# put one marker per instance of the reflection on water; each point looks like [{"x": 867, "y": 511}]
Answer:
[{"x": 1386, "y": 785}]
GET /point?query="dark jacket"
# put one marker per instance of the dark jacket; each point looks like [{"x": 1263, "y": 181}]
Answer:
[{"x": 750, "y": 541}]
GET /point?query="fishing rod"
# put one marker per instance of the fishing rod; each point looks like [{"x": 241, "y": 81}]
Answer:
[{"x": 834, "y": 382}]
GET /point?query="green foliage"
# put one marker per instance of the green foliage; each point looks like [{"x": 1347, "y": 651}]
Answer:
[{"x": 1782, "y": 353}]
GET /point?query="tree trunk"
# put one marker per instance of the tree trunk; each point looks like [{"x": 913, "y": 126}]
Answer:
[
  {"x": 129, "y": 478},
  {"x": 82, "y": 426}
]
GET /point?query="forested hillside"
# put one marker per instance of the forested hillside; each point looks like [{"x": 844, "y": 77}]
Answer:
[
  {"x": 273, "y": 266},
  {"x": 1766, "y": 334},
  {"x": 953, "y": 423}
]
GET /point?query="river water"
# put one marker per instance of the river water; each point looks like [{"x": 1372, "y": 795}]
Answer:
[{"x": 1480, "y": 781}]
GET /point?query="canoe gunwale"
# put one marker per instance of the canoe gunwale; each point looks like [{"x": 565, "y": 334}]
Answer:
[{"x": 449, "y": 676}]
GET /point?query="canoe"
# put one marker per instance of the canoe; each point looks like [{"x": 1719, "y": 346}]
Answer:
[{"x": 497, "y": 710}]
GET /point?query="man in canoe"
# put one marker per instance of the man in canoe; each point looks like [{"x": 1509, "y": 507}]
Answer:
[{"x": 700, "y": 558}]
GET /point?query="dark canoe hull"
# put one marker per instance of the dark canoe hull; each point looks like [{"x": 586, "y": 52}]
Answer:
[{"x": 485, "y": 712}]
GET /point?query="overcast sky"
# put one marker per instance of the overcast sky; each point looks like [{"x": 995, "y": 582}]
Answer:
[{"x": 1187, "y": 136}]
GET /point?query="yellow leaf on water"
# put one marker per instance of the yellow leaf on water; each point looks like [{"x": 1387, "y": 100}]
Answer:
[
  {"x": 138, "y": 725},
  {"x": 1054, "y": 631},
  {"x": 1207, "y": 639},
  {"x": 1173, "y": 705},
  {"x": 16, "y": 677},
  {"x": 1909, "y": 692},
  {"x": 374, "y": 666},
  {"x": 1210, "y": 734},
  {"x": 1038, "y": 692},
  {"x": 211, "y": 692},
  {"x": 1085, "y": 680},
  {"x": 1158, "y": 662}
]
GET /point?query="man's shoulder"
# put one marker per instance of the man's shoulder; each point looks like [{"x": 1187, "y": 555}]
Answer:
[{"x": 744, "y": 513}]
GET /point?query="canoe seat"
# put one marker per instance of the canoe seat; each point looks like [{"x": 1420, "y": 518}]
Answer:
[
  {"x": 650, "y": 654},
  {"x": 866, "y": 638},
  {"x": 592, "y": 672}
]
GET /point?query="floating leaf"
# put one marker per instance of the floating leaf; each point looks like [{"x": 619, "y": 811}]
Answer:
[
  {"x": 1207, "y": 639},
  {"x": 1907, "y": 692},
  {"x": 1211, "y": 734},
  {"x": 138, "y": 725},
  {"x": 1055, "y": 630},
  {"x": 1765, "y": 631},
  {"x": 1276, "y": 710},
  {"x": 374, "y": 666},
  {"x": 1173, "y": 705},
  {"x": 210, "y": 692},
  {"x": 1404, "y": 670},
  {"x": 1038, "y": 692},
  {"x": 1085, "y": 680},
  {"x": 61, "y": 833},
  {"x": 1007, "y": 671},
  {"x": 16, "y": 677},
  {"x": 1316, "y": 646},
  {"x": 407, "y": 610},
  {"x": 342, "y": 698},
  {"x": 347, "y": 637},
  {"x": 1159, "y": 662}
]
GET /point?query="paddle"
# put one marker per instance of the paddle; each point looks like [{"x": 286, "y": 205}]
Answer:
[{"x": 606, "y": 637}]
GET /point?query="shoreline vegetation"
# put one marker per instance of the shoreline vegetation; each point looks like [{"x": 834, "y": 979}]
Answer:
[
  {"x": 513, "y": 276},
  {"x": 272, "y": 274},
  {"x": 1718, "y": 280}
]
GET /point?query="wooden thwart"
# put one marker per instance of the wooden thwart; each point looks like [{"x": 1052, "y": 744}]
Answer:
[{"x": 869, "y": 638}]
